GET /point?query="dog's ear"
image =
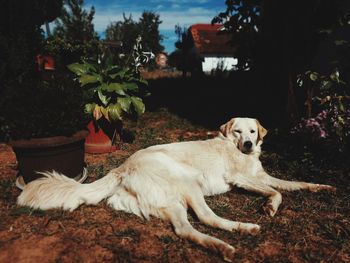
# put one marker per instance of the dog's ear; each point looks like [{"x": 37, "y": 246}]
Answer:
[
  {"x": 261, "y": 131},
  {"x": 226, "y": 128}
]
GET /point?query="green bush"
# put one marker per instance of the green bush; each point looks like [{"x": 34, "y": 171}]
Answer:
[
  {"x": 42, "y": 108},
  {"x": 327, "y": 118}
]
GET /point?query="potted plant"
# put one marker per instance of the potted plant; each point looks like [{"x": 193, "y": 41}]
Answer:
[
  {"x": 112, "y": 93},
  {"x": 40, "y": 111},
  {"x": 43, "y": 122}
]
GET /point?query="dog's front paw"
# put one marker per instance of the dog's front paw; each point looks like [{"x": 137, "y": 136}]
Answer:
[
  {"x": 322, "y": 187},
  {"x": 269, "y": 208},
  {"x": 248, "y": 228}
]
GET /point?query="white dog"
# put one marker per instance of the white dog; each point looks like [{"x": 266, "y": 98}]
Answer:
[{"x": 164, "y": 180}]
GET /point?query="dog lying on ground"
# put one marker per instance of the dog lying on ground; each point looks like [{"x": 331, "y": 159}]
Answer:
[{"x": 164, "y": 180}]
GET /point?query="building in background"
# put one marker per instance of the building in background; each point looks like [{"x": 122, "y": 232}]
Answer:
[{"x": 212, "y": 48}]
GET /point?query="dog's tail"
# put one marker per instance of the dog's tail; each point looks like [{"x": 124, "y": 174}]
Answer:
[{"x": 55, "y": 190}]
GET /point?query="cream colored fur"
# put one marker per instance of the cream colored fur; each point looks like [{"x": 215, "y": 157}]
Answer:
[{"x": 164, "y": 180}]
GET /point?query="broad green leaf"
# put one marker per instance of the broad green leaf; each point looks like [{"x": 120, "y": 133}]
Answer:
[
  {"x": 138, "y": 105},
  {"x": 80, "y": 69},
  {"x": 116, "y": 72},
  {"x": 114, "y": 112},
  {"x": 143, "y": 81},
  {"x": 86, "y": 79},
  {"x": 103, "y": 98},
  {"x": 124, "y": 103},
  {"x": 131, "y": 86},
  {"x": 117, "y": 88},
  {"x": 89, "y": 107}
]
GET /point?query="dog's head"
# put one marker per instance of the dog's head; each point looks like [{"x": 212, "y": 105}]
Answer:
[{"x": 246, "y": 133}]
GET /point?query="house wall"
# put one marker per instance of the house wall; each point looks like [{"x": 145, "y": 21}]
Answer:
[{"x": 218, "y": 63}]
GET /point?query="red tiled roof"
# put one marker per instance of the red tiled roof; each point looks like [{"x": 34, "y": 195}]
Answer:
[{"x": 208, "y": 40}]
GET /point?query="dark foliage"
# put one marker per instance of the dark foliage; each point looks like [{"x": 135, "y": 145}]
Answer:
[
  {"x": 242, "y": 19},
  {"x": 126, "y": 32},
  {"x": 33, "y": 103},
  {"x": 74, "y": 37},
  {"x": 44, "y": 108}
]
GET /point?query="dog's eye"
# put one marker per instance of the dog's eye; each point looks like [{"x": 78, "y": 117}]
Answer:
[
  {"x": 238, "y": 131},
  {"x": 252, "y": 131}
]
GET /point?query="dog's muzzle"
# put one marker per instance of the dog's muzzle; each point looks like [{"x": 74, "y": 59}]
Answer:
[{"x": 247, "y": 146}]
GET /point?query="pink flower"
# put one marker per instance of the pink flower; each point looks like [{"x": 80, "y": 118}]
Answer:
[{"x": 323, "y": 134}]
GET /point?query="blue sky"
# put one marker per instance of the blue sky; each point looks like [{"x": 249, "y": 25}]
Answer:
[{"x": 172, "y": 12}]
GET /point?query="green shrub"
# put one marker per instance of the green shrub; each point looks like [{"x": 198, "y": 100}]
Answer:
[{"x": 42, "y": 108}]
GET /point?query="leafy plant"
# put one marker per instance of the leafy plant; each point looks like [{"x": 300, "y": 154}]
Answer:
[
  {"x": 33, "y": 104},
  {"x": 42, "y": 108},
  {"x": 328, "y": 108},
  {"x": 112, "y": 92}
]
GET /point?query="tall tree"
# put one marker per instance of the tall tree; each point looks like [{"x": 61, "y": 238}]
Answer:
[
  {"x": 279, "y": 39},
  {"x": 292, "y": 33},
  {"x": 181, "y": 58},
  {"x": 241, "y": 19},
  {"x": 75, "y": 23},
  {"x": 149, "y": 30},
  {"x": 126, "y": 32},
  {"x": 74, "y": 34}
]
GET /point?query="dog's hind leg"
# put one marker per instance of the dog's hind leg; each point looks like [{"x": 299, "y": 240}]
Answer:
[
  {"x": 177, "y": 215},
  {"x": 196, "y": 201},
  {"x": 293, "y": 186}
]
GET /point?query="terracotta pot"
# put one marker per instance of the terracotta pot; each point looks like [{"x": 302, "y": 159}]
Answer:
[
  {"x": 45, "y": 62},
  {"x": 62, "y": 154},
  {"x": 102, "y": 135}
]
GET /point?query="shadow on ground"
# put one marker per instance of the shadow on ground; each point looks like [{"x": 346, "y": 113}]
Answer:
[{"x": 210, "y": 101}]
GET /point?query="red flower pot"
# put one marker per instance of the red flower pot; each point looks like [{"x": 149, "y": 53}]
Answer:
[
  {"x": 101, "y": 136},
  {"x": 45, "y": 62}
]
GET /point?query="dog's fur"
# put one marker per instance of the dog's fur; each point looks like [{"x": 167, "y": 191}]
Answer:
[{"x": 164, "y": 180}]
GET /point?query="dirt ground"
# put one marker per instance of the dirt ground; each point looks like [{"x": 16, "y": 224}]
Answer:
[{"x": 309, "y": 227}]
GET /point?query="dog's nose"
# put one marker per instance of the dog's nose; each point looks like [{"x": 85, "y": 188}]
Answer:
[{"x": 248, "y": 145}]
